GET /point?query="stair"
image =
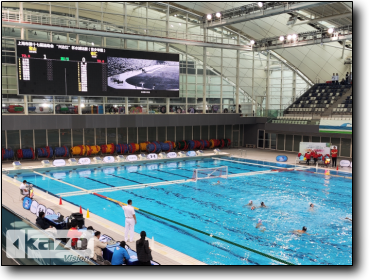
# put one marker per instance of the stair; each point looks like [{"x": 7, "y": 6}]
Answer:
[{"x": 328, "y": 110}]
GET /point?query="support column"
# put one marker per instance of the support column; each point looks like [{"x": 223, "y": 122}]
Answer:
[
  {"x": 79, "y": 106},
  {"x": 126, "y": 105},
  {"x": 254, "y": 106},
  {"x": 344, "y": 47},
  {"x": 25, "y": 104},
  {"x": 186, "y": 76},
  {"x": 221, "y": 89},
  {"x": 21, "y": 18},
  {"x": 167, "y": 105},
  {"x": 125, "y": 24},
  {"x": 167, "y": 27},
  {"x": 281, "y": 85},
  {"x": 268, "y": 83},
  {"x": 146, "y": 23},
  {"x": 204, "y": 71},
  {"x": 294, "y": 93},
  {"x": 77, "y": 23},
  {"x": 237, "y": 77}
]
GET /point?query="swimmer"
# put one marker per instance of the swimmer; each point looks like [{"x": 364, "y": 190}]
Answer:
[
  {"x": 263, "y": 205},
  {"x": 250, "y": 203},
  {"x": 311, "y": 207},
  {"x": 348, "y": 219},
  {"x": 253, "y": 208},
  {"x": 217, "y": 183},
  {"x": 259, "y": 223},
  {"x": 302, "y": 231}
]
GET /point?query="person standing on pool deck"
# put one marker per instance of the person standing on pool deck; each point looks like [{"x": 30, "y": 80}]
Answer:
[
  {"x": 130, "y": 220},
  {"x": 334, "y": 153}
]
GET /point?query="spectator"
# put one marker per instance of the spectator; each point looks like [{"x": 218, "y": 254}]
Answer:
[
  {"x": 350, "y": 77},
  {"x": 308, "y": 157},
  {"x": 334, "y": 153},
  {"x": 347, "y": 78},
  {"x": 23, "y": 188},
  {"x": 96, "y": 246},
  {"x": 337, "y": 79},
  {"x": 314, "y": 156},
  {"x": 42, "y": 222},
  {"x": 120, "y": 254},
  {"x": 343, "y": 82},
  {"x": 73, "y": 233},
  {"x": 144, "y": 254},
  {"x": 333, "y": 79}
]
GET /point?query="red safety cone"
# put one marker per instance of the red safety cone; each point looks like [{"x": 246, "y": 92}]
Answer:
[
  {"x": 80, "y": 209},
  {"x": 60, "y": 201}
]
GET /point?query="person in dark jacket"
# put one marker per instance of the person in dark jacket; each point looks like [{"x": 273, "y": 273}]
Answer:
[
  {"x": 41, "y": 222},
  {"x": 144, "y": 254}
]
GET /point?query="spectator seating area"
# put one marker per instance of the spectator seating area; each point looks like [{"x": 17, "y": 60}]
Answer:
[
  {"x": 318, "y": 98},
  {"x": 296, "y": 120},
  {"x": 340, "y": 119},
  {"x": 345, "y": 108}
]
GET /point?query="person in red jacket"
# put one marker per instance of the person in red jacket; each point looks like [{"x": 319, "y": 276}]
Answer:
[
  {"x": 334, "y": 154},
  {"x": 314, "y": 156},
  {"x": 308, "y": 157},
  {"x": 74, "y": 233}
]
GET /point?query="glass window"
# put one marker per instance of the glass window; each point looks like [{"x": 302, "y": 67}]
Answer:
[
  {"x": 220, "y": 132},
  {"x": 3, "y": 141},
  {"x": 315, "y": 138},
  {"x": 196, "y": 132},
  {"x": 152, "y": 134},
  {"x": 267, "y": 140},
  {"x": 132, "y": 134},
  {"x": 142, "y": 134},
  {"x": 273, "y": 141},
  {"x": 188, "y": 133},
  {"x": 235, "y": 138},
  {"x": 77, "y": 137},
  {"x": 297, "y": 141},
  {"x": 325, "y": 139},
  {"x": 100, "y": 136},
  {"x": 162, "y": 134},
  {"x": 170, "y": 133},
  {"x": 53, "y": 138},
  {"x": 204, "y": 129},
  {"x": 40, "y": 138},
  {"x": 122, "y": 135},
  {"x": 212, "y": 132},
  {"x": 27, "y": 139},
  {"x": 111, "y": 135},
  {"x": 228, "y": 129},
  {"x": 260, "y": 138},
  {"x": 89, "y": 136},
  {"x": 345, "y": 149},
  {"x": 335, "y": 142},
  {"x": 65, "y": 137},
  {"x": 13, "y": 139},
  {"x": 288, "y": 142},
  {"x": 306, "y": 138},
  {"x": 179, "y": 133},
  {"x": 280, "y": 142}
]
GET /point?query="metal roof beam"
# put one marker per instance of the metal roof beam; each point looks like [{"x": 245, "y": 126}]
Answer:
[
  {"x": 247, "y": 13},
  {"x": 324, "y": 18}
]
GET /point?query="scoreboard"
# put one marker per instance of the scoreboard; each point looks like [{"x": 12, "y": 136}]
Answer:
[{"x": 59, "y": 69}]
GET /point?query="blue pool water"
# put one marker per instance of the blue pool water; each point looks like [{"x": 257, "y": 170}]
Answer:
[{"x": 220, "y": 209}]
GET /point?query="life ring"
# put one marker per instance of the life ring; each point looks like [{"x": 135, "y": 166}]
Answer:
[{"x": 226, "y": 110}]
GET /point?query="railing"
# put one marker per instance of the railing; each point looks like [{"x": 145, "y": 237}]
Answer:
[{"x": 62, "y": 21}]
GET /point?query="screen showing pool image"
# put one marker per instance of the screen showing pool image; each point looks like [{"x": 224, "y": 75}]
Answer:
[{"x": 219, "y": 207}]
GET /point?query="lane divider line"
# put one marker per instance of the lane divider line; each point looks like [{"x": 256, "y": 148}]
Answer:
[{"x": 60, "y": 181}]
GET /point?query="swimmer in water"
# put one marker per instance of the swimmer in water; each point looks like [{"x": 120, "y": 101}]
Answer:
[
  {"x": 311, "y": 207},
  {"x": 250, "y": 203},
  {"x": 253, "y": 208},
  {"x": 348, "y": 219},
  {"x": 259, "y": 223},
  {"x": 263, "y": 205},
  {"x": 300, "y": 232},
  {"x": 218, "y": 182}
]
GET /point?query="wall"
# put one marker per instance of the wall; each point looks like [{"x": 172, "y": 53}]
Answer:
[{"x": 106, "y": 121}]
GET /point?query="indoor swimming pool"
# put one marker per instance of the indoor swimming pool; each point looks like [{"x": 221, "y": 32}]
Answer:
[{"x": 220, "y": 208}]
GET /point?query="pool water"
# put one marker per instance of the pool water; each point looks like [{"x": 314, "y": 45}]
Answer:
[{"x": 220, "y": 209}]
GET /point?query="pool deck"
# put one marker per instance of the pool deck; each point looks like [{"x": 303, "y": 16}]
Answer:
[{"x": 11, "y": 199}]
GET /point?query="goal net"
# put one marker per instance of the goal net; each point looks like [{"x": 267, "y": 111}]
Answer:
[{"x": 210, "y": 173}]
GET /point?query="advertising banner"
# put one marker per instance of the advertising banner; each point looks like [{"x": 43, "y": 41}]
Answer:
[
  {"x": 108, "y": 159},
  {"x": 131, "y": 158},
  {"x": 152, "y": 156},
  {"x": 84, "y": 161},
  {"x": 320, "y": 148},
  {"x": 59, "y": 162},
  {"x": 336, "y": 126}
]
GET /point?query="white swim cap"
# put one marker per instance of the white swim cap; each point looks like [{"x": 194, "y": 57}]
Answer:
[
  {"x": 259, "y": 221},
  {"x": 250, "y": 201}
]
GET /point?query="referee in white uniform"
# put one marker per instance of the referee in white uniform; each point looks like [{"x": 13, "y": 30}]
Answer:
[{"x": 130, "y": 219}]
